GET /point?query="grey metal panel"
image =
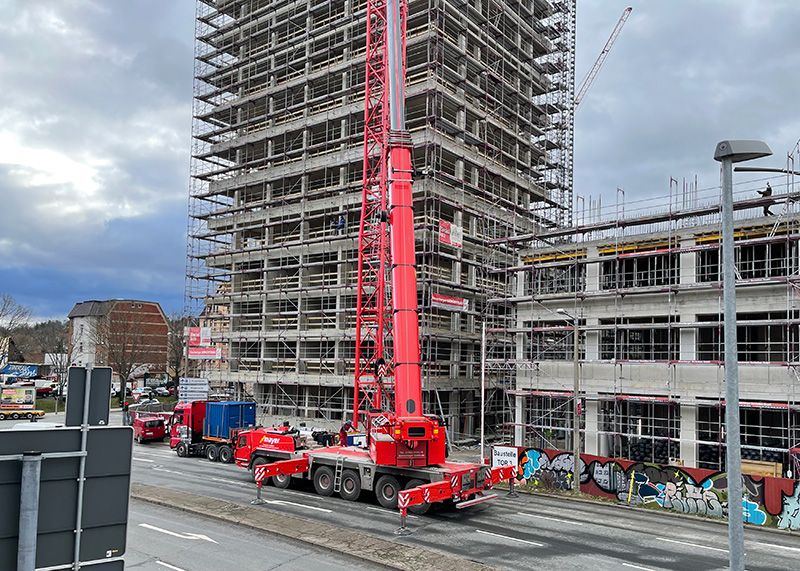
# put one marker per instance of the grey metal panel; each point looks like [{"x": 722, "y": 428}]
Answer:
[
  {"x": 99, "y": 399},
  {"x": 106, "y": 495}
]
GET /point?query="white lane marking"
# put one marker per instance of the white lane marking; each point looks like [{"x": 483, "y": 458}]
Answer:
[
  {"x": 168, "y": 566},
  {"x": 228, "y": 481},
  {"x": 509, "y": 538},
  {"x": 144, "y": 460},
  {"x": 632, "y": 566},
  {"x": 185, "y": 535},
  {"x": 692, "y": 544},
  {"x": 160, "y": 469},
  {"x": 776, "y": 545},
  {"x": 299, "y": 505},
  {"x": 390, "y": 512},
  {"x": 550, "y": 518}
]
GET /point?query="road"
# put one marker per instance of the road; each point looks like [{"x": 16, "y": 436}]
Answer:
[
  {"x": 531, "y": 531},
  {"x": 161, "y": 539}
]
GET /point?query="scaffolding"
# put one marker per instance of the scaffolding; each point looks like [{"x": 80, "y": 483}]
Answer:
[
  {"x": 276, "y": 173},
  {"x": 645, "y": 283}
]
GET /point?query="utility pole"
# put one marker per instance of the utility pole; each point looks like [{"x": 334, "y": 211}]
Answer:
[
  {"x": 576, "y": 403},
  {"x": 483, "y": 387},
  {"x": 727, "y": 153}
]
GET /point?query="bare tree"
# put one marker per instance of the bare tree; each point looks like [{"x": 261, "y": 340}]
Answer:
[
  {"x": 176, "y": 355},
  {"x": 12, "y": 314},
  {"x": 121, "y": 345}
]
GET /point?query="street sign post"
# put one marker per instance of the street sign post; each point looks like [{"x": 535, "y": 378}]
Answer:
[
  {"x": 99, "y": 395},
  {"x": 192, "y": 389},
  {"x": 96, "y": 504}
]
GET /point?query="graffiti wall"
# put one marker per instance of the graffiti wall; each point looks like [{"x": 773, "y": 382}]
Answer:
[{"x": 766, "y": 501}]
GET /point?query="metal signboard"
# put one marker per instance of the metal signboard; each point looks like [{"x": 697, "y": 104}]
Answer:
[
  {"x": 210, "y": 353},
  {"x": 99, "y": 396},
  {"x": 193, "y": 389},
  {"x": 101, "y": 515},
  {"x": 504, "y": 456}
]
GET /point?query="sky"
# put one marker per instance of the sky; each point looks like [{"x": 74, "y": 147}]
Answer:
[{"x": 95, "y": 126}]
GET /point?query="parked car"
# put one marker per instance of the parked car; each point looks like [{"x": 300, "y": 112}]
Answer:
[
  {"x": 148, "y": 428},
  {"x": 141, "y": 392},
  {"x": 162, "y": 391}
]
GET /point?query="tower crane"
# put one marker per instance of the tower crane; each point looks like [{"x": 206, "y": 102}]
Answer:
[{"x": 598, "y": 64}]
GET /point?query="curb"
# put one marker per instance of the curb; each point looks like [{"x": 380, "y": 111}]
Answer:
[{"x": 362, "y": 546}]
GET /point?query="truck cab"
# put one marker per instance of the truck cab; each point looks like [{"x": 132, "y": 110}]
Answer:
[
  {"x": 256, "y": 442},
  {"x": 187, "y": 423}
]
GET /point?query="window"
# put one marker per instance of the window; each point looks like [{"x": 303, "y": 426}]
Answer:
[
  {"x": 761, "y": 337},
  {"x": 242, "y": 441},
  {"x": 753, "y": 261},
  {"x": 639, "y": 271},
  {"x": 551, "y": 340},
  {"x": 639, "y": 339}
]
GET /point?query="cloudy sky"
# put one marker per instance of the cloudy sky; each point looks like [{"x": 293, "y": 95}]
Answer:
[{"x": 95, "y": 106}]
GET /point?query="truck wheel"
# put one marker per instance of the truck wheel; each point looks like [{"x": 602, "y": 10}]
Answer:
[
  {"x": 15, "y": 415},
  {"x": 420, "y": 509},
  {"x": 323, "y": 481},
  {"x": 29, "y": 415},
  {"x": 182, "y": 450},
  {"x": 350, "y": 486},
  {"x": 225, "y": 454},
  {"x": 281, "y": 481},
  {"x": 2, "y": 416},
  {"x": 212, "y": 453},
  {"x": 386, "y": 491},
  {"x": 257, "y": 462}
]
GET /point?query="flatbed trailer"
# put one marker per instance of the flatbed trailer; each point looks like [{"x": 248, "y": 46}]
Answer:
[
  {"x": 350, "y": 471},
  {"x": 16, "y": 413}
]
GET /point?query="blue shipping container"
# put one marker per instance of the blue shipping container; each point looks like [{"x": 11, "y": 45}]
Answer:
[{"x": 223, "y": 418}]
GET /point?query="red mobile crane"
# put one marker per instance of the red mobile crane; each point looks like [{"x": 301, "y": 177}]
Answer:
[{"x": 406, "y": 455}]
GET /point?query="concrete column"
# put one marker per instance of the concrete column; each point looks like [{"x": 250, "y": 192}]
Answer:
[
  {"x": 592, "y": 346},
  {"x": 688, "y": 339},
  {"x": 590, "y": 442},
  {"x": 688, "y": 435},
  {"x": 519, "y": 419},
  {"x": 688, "y": 263},
  {"x": 592, "y": 269}
]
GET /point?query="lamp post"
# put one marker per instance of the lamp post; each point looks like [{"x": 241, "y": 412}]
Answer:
[
  {"x": 576, "y": 405},
  {"x": 727, "y": 153}
]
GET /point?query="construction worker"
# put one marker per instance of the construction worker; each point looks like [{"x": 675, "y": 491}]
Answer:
[
  {"x": 340, "y": 224},
  {"x": 765, "y": 193},
  {"x": 348, "y": 425}
]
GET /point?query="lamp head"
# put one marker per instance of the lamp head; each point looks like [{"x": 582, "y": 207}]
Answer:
[{"x": 738, "y": 151}]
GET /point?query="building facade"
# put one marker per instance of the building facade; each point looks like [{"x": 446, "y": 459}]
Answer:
[
  {"x": 120, "y": 333},
  {"x": 647, "y": 294},
  {"x": 277, "y": 177}
]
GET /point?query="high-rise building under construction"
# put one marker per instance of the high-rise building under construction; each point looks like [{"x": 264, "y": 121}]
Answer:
[{"x": 277, "y": 177}]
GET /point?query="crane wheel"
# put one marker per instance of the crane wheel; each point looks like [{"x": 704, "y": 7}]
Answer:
[
  {"x": 212, "y": 454},
  {"x": 350, "y": 488},
  {"x": 282, "y": 481},
  {"x": 225, "y": 454},
  {"x": 420, "y": 509},
  {"x": 323, "y": 481},
  {"x": 386, "y": 489}
]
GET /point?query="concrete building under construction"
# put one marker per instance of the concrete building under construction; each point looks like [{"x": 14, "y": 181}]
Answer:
[
  {"x": 645, "y": 287},
  {"x": 277, "y": 174}
]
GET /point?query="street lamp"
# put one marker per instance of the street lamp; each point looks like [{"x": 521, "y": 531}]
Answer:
[
  {"x": 576, "y": 405},
  {"x": 727, "y": 153}
]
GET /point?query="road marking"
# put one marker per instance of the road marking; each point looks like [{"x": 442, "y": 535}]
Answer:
[
  {"x": 228, "y": 481},
  {"x": 550, "y": 518},
  {"x": 160, "y": 469},
  {"x": 776, "y": 545},
  {"x": 144, "y": 460},
  {"x": 510, "y": 538},
  {"x": 306, "y": 506},
  {"x": 390, "y": 512},
  {"x": 632, "y": 566},
  {"x": 692, "y": 544},
  {"x": 168, "y": 566},
  {"x": 185, "y": 535}
]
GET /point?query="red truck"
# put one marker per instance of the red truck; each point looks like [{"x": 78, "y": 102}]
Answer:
[{"x": 210, "y": 428}]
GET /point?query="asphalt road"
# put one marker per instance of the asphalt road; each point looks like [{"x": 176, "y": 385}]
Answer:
[
  {"x": 161, "y": 539},
  {"x": 527, "y": 532}
]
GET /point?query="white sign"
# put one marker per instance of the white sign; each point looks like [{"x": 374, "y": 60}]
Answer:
[
  {"x": 449, "y": 302},
  {"x": 451, "y": 234},
  {"x": 192, "y": 389},
  {"x": 504, "y": 456}
]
